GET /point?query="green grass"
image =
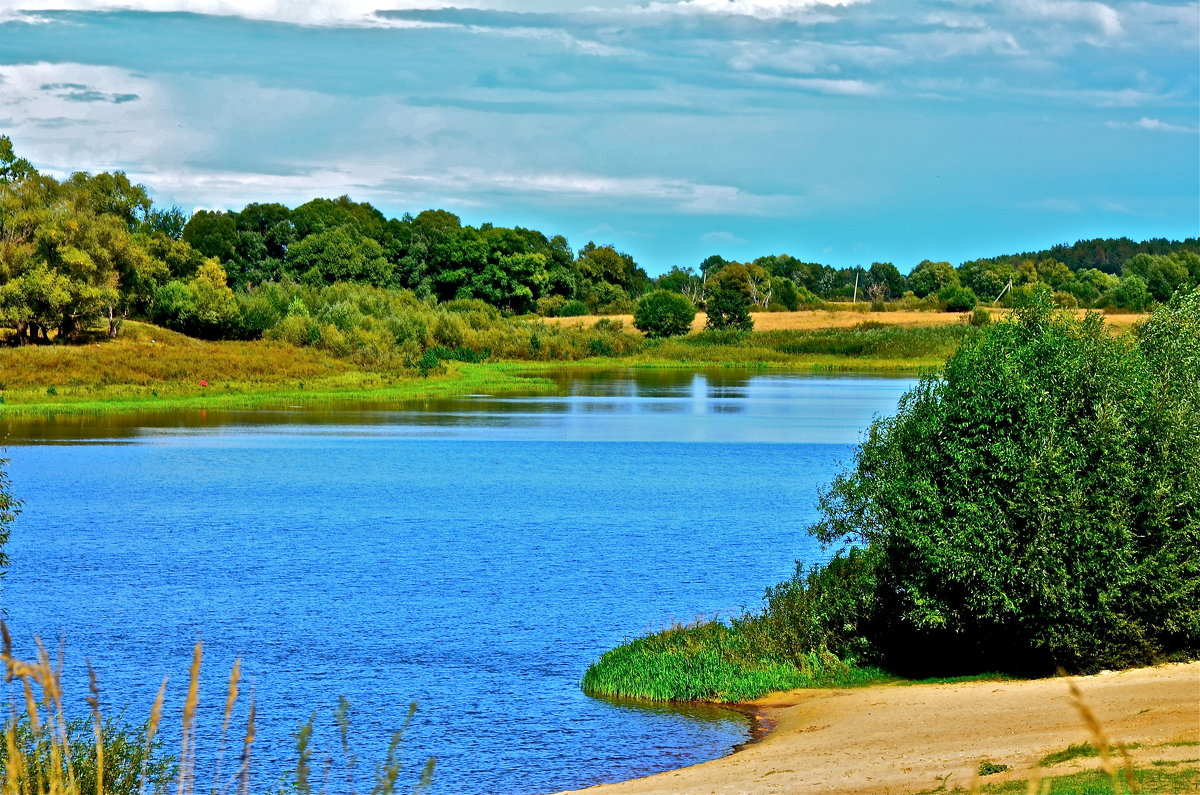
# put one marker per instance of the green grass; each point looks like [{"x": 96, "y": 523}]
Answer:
[
  {"x": 866, "y": 347},
  {"x": 151, "y": 368},
  {"x": 1080, "y": 751},
  {"x": 1151, "y": 781},
  {"x": 711, "y": 661},
  {"x": 460, "y": 379}
]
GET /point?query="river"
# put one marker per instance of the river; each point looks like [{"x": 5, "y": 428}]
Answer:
[{"x": 472, "y": 555}]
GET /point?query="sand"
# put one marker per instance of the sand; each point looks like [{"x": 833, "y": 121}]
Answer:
[{"x": 906, "y": 739}]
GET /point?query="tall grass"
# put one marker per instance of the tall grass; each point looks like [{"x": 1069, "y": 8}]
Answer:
[
  {"x": 46, "y": 753},
  {"x": 714, "y": 661}
]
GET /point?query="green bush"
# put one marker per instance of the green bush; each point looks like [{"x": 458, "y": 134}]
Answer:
[
  {"x": 1037, "y": 504},
  {"x": 573, "y": 309},
  {"x": 957, "y": 298},
  {"x": 662, "y": 313},
  {"x": 129, "y": 760}
]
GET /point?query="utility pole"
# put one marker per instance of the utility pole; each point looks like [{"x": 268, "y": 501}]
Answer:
[
  {"x": 855, "y": 301},
  {"x": 1007, "y": 287}
]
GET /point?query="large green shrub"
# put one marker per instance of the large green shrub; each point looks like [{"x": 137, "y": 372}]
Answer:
[
  {"x": 1038, "y": 503},
  {"x": 662, "y": 313}
]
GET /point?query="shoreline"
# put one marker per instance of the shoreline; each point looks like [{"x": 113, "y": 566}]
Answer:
[
  {"x": 505, "y": 377},
  {"x": 904, "y": 739}
]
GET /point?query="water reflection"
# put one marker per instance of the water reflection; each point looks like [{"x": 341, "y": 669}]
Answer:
[{"x": 625, "y": 405}]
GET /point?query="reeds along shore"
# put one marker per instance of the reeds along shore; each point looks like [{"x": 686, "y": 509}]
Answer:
[{"x": 47, "y": 753}]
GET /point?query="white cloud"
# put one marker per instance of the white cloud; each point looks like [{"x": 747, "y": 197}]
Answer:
[
  {"x": 1153, "y": 125},
  {"x": 1104, "y": 18},
  {"x": 298, "y": 12},
  {"x": 722, "y": 239},
  {"x": 761, "y": 9}
]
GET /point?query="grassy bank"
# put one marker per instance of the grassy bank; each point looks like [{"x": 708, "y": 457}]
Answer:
[
  {"x": 715, "y": 662},
  {"x": 151, "y": 368}
]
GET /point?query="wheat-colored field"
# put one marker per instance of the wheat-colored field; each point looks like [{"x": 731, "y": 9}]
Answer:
[{"x": 814, "y": 320}]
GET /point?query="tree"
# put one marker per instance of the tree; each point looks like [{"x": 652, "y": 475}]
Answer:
[
  {"x": 339, "y": 254},
  {"x": 1038, "y": 502},
  {"x": 930, "y": 277},
  {"x": 11, "y": 166},
  {"x": 727, "y": 299},
  {"x": 1132, "y": 294},
  {"x": 957, "y": 298},
  {"x": 212, "y": 233},
  {"x": 662, "y": 313},
  {"x": 889, "y": 277}
]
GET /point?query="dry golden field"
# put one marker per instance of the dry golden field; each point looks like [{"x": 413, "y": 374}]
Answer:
[{"x": 813, "y": 320}]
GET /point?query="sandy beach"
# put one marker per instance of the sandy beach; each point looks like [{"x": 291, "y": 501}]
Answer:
[{"x": 906, "y": 739}]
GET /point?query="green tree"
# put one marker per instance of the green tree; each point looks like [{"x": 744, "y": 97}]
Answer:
[
  {"x": 930, "y": 277},
  {"x": 11, "y": 166},
  {"x": 1038, "y": 502},
  {"x": 727, "y": 299},
  {"x": 957, "y": 298},
  {"x": 662, "y": 313},
  {"x": 889, "y": 277},
  {"x": 339, "y": 254},
  {"x": 213, "y": 234},
  {"x": 1132, "y": 294},
  {"x": 784, "y": 293}
]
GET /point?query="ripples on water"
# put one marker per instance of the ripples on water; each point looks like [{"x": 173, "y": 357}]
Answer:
[{"x": 473, "y": 555}]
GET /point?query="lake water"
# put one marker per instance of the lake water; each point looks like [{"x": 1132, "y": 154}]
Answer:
[{"x": 473, "y": 555}]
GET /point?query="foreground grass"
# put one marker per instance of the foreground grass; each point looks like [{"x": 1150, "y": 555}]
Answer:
[
  {"x": 45, "y": 751},
  {"x": 1166, "y": 778}
]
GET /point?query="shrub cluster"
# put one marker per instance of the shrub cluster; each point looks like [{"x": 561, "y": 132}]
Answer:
[{"x": 1036, "y": 504}]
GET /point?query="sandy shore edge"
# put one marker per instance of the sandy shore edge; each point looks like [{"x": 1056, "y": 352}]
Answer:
[{"x": 906, "y": 739}]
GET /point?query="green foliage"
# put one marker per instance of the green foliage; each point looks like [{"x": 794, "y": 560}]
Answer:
[
  {"x": 727, "y": 299},
  {"x": 10, "y": 506},
  {"x": 1035, "y": 504},
  {"x": 1079, "y": 751},
  {"x": 979, "y": 317},
  {"x": 930, "y": 277},
  {"x": 987, "y": 768},
  {"x": 957, "y": 298},
  {"x": 661, "y": 313},
  {"x": 129, "y": 760},
  {"x": 709, "y": 661},
  {"x": 1132, "y": 294}
]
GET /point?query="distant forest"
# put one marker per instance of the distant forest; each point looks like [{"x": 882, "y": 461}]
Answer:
[{"x": 91, "y": 249}]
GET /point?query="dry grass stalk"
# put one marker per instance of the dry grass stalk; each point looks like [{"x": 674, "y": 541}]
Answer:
[
  {"x": 97, "y": 725},
  {"x": 152, "y": 727},
  {"x": 247, "y": 745},
  {"x": 187, "y": 745}
]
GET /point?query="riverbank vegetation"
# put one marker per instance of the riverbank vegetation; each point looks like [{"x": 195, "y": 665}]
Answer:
[
  {"x": 46, "y": 751},
  {"x": 83, "y": 255},
  {"x": 1031, "y": 506}
]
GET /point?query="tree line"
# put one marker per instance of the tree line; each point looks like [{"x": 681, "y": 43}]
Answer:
[{"x": 94, "y": 249}]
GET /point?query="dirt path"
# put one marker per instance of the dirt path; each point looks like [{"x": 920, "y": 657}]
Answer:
[{"x": 905, "y": 739}]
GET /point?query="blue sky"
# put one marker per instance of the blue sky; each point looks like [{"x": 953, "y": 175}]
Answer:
[{"x": 844, "y": 133}]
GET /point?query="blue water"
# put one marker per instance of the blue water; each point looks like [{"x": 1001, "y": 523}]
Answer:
[{"x": 472, "y": 555}]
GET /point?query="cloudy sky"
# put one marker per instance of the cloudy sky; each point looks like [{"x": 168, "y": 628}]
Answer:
[{"x": 847, "y": 133}]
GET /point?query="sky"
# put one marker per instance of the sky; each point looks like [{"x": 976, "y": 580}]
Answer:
[{"x": 846, "y": 132}]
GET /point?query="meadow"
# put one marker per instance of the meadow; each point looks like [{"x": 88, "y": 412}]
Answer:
[{"x": 149, "y": 367}]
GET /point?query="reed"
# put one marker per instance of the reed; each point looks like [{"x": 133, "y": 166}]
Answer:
[{"x": 46, "y": 753}]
